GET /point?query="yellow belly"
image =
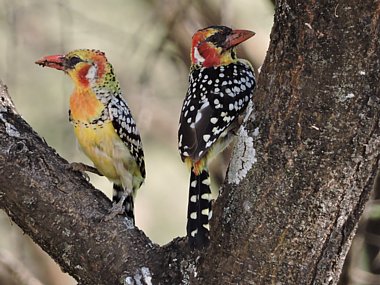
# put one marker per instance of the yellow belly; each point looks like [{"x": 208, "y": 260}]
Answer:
[{"x": 109, "y": 154}]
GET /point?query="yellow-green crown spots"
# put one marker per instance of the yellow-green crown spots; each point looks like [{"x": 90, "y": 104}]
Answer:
[{"x": 109, "y": 81}]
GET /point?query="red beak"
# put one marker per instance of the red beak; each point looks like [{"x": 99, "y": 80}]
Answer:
[
  {"x": 237, "y": 37},
  {"x": 53, "y": 61}
]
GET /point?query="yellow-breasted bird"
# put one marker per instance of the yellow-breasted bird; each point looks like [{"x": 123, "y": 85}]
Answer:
[
  {"x": 220, "y": 88},
  {"x": 103, "y": 123}
]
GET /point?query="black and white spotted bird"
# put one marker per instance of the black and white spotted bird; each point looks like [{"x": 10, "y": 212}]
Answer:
[{"x": 220, "y": 88}]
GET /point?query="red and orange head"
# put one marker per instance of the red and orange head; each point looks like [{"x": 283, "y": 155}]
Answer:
[
  {"x": 84, "y": 66},
  {"x": 215, "y": 45}
]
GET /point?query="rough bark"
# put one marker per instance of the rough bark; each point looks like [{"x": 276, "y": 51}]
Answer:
[
  {"x": 313, "y": 140},
  {"x": 317, "y": 146}
]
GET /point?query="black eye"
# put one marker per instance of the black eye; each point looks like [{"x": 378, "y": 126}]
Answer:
[
  {"x": 73, "y": 61},
  {"x": 219, "y": 37}
]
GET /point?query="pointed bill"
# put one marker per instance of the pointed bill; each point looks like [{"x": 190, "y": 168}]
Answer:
[
  {"x": 237, "y": 37},
  {"x": 53, "y": 61}
]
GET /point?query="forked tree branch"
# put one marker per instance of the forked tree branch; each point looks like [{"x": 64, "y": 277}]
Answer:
[{"x": 302, "y": 171}]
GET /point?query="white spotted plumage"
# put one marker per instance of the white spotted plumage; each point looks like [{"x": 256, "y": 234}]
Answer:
[
  {"x": 125, "y": 127},
  {"x": 206, "y": 112}
]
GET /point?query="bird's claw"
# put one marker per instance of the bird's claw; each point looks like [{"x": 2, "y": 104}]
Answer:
[
  {"x": 79, "y": 167},
  {"x": 117, "y": 209},
  {"x": 83, "y": 168}
]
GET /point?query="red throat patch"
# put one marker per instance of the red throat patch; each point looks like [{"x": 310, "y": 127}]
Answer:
[
  {"x": 210, "y": 54},
  {"x": 83, "y": 71},
  {"x": 204, "y": 53},
  {"x": 82, "y": 75}
]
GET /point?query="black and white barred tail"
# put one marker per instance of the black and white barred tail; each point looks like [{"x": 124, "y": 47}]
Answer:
[
  {"x": 128, "y": 204},
  {"x": 199, "y": 209}
]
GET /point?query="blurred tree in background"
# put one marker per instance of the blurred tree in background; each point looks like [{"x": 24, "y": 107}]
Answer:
[{"x": 141, "y": 39}]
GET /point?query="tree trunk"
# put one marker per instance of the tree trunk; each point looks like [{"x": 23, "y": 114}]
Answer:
[
  {"x": 316, "y": 139},
  {"x": 301, "y": 173}
]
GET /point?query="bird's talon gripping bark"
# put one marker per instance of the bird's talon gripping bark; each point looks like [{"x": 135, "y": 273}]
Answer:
[
  {"x": 117, "y": 209},
  {"x": 80, "y": 167}
]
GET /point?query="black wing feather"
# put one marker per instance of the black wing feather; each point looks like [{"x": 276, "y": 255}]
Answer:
[
  {"x": 125, "y": 125},
  {"x": 215, "y": 97}
]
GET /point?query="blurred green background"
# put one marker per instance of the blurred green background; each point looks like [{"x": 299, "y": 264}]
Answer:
[{"x": 148, "y": 43}]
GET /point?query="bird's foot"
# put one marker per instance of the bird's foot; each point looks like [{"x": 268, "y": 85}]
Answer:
[
  {"x": 81, "y": 167},
  {"x": 117, "y": 209}
]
